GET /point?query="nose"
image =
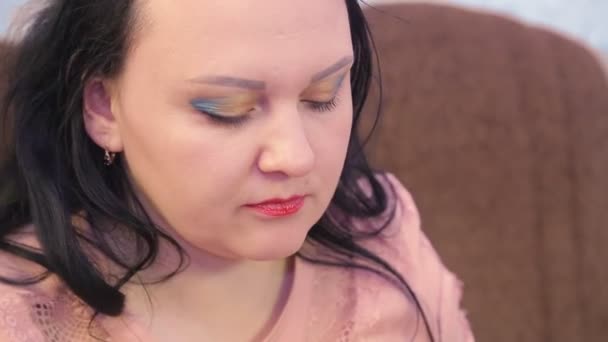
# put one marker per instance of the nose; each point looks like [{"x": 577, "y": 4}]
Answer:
[{"x": 286, "y": 148}]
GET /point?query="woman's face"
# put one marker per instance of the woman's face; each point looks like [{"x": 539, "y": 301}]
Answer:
[{"x": 223, "y": 104}]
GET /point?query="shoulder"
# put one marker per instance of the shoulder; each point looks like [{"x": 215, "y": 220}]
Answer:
[
  {"x": 17, "y": 310},
  {"x": 42, "y": 311},
  {"x": 405, "y": 246},
  {"x": 20, "y": 304},
  {"x": 401, "y": 238}
]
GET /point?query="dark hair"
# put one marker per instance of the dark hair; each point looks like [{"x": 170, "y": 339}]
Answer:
[{"x": 53, "y": 170}]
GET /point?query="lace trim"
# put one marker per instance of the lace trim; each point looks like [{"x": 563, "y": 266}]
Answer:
[
  {"x": 33, "y": 317},
  {"x": 12, "y": 320}
]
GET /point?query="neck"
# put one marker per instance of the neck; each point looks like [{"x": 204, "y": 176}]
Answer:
[{"x": 213, "y": 290}]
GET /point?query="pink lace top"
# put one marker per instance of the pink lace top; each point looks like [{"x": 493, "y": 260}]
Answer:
[{"x": 325, "y": 303}]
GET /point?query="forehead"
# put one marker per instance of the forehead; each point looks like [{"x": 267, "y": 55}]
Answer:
[
  {"x": 263, "y": 15},
  {"x": 196, "y": 35}
]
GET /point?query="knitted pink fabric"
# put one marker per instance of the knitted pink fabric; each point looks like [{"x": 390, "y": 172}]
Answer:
[{"x": 325, "y": 303}]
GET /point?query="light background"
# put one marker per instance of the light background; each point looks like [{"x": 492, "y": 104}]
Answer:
[{"x": 585, "y": 19}]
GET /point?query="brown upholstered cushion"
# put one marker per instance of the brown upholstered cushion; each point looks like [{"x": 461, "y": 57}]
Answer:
[
  {"x": 5, "y": 59},
  {"x": 500, "y": 131},
  {"x": 6, "y": 52}
]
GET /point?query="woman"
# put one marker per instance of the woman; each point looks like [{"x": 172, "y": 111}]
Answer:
[{"x": 190, "y": 172}]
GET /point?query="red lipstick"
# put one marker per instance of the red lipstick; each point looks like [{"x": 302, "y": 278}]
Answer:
[{"x": 278, "y": 207}]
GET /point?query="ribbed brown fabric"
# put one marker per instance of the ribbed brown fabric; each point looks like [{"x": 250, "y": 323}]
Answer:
[
  {"x": 5, "y": 59},
  {"x": 500, "y": 131}
]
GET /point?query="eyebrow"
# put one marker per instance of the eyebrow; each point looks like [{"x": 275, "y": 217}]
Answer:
[
  {"x": 228, "y": 81},
  {"x": 347, "y": 60}
]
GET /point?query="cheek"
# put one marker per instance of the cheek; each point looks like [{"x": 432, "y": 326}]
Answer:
[
  {"x": 335, "y": 140},
  {"x": 171, "y": 152},
  {"x": 331, "y": 141},
  {"x": 180, "y": 161},
  {"x": 337, "y": 131},
  {"x": 188, "y": 165},
  {"x": 190, "y": 183}
]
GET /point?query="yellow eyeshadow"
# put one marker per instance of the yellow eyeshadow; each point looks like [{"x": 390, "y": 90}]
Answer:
[
  {"x": 325, "y": 89},
  {"x": 228, "y": 106},
  {"x": 243, "y": 103}
]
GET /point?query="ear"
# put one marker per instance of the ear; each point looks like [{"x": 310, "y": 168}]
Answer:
[{"x": 99, "y": 102}]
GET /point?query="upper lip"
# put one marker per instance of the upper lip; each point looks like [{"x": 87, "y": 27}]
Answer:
[{"x": 278, "y": 200}]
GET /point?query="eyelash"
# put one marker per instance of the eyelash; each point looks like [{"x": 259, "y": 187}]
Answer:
[
  {"x": 228, "y": 121},
  {"x": 324, "y": 106},
  {"x": 241, "y": 120}
]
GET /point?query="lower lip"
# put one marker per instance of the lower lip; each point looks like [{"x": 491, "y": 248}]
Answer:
[{"x": 279, "y": 209}]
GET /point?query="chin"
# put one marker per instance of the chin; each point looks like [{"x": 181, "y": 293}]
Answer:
[
  {"x": 275, "y": 252},
  {"x": 272, "y": 249},
  {"x": 273, "y": 240}
]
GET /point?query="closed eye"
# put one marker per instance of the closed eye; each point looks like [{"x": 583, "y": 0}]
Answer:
[
  {"x": 228, "y": 120},
  {"x": 327, "y": 106},
  {"x": 235, "y": 121},
  {"x": 215, "y": 110}
]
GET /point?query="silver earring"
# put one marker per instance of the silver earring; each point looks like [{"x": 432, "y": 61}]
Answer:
[{"x": 108, "y": 158}]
